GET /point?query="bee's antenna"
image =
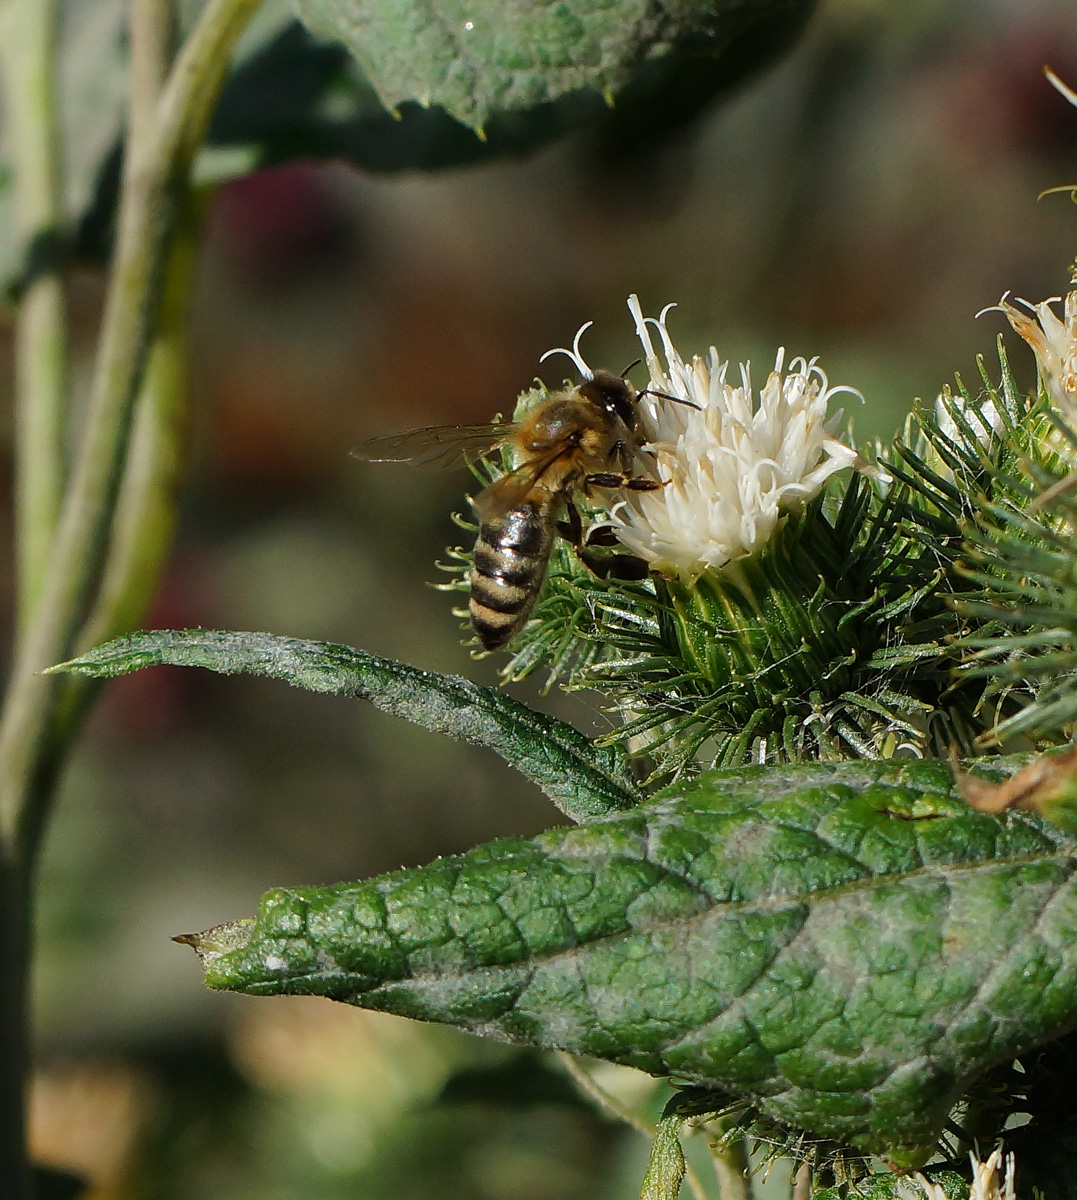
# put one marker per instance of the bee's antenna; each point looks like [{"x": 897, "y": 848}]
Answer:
[
  {"x": 664, "y": 395},
  {"x": 675, "y": 399}
]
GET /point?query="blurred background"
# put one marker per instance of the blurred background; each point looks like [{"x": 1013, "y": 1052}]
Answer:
[{"x": 859, "y": 201}]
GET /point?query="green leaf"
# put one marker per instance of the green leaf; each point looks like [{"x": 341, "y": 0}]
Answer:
[
  {"x": 291, "y": 95},
  {"x": 665, "y": 1170},
  {"x": 300, "y": 95},
  {"x": 481, "y": 57},
  {"x": 306, "y": 97},
  {"x": 583, "y": 780},
  {"x": 847, "y": 945},
  {"x": 92, "y": 88}
]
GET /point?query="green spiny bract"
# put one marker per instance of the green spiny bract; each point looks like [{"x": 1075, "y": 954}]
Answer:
[{"x": 861, "y": 628}]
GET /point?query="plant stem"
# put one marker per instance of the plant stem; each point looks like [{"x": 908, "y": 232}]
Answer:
[
  {"x": 802, "y": 1182},
  {"x": 15, "y": 1181},
  {"x": 29, "y": 34},
  {"x": 733, "y": 1169},
  {"x": 145, "y": 515},
  {"x": 146, "y": 505},
  {"x": 586, "y": 1083},
  {"x": 169, "y": 114},
  {"x": 28, "y": 38},
  {"x": 155, "y": 171}
]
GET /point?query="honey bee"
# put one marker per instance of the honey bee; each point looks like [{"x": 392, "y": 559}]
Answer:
[{"x": 585, "y": 437}]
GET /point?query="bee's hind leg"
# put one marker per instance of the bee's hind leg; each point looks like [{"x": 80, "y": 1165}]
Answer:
[
  {"x": 571, "y": 529},
  {"x": 626, "y": 567},
  {"x": 604, "y": 566}
]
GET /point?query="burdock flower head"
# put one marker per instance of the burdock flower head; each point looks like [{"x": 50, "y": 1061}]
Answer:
[
  {"x": 740, "y": 641},
  {"x": 734, "y": 464}
]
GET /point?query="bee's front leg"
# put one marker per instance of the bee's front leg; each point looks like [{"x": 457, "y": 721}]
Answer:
[{"x": 638, "y": 483}]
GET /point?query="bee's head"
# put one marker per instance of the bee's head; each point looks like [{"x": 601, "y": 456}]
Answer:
[{"x": 616, "y": 395}]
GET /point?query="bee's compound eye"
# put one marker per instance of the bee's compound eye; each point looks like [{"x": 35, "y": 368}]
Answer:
[
  {"x": 623, "y": 405},
  {"x": 615, "y": 394}
]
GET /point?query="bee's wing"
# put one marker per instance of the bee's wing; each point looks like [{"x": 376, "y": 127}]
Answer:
[
  {"x": 440, "y": 445},
  {"x": 503, "y": 494}
]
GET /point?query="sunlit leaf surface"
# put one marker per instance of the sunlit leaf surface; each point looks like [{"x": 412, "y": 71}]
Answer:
[
  {"x": 478, "y": 57},
  {"x": 849, "y": 945}
]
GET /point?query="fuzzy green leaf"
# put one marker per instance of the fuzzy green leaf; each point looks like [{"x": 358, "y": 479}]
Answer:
[
  {"x": 665, "y": 1171},
  {"x": 91, "y": 96},
  {"x": 481, "y": 57},
  {"x": 847, "y": 945},
  {"x": 583, "y": 780}
]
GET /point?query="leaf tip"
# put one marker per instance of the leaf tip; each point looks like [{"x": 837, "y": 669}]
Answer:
[
  {"x": 72, "y": 666},
  {"x": 217, "y": 941}
]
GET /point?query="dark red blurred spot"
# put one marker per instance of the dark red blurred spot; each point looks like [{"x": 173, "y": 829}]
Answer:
[{"x": 277, "y": 228}]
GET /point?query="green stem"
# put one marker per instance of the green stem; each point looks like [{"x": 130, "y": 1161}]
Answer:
[
  {"x": 15, "y": 1181},
  {"x": 168, "y": 120},
  {"x": 586, "y": 1083},
  {"x": 145, "y": 513},
  {"x": 733, "y": 1169},
  {"x": 28, "y": 36},
  {"x": 666, "y": 1168},
  {"x": 802, "y": 1182},
  {"x": 609, "y": 1104},
  {"x": 29, "y": 33},
  {"x": 155, "y": 175}
]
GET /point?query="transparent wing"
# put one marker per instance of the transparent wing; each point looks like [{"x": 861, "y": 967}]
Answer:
[
  {"x": 505, "y": 493},
  {"x": 435, "y": 445}
]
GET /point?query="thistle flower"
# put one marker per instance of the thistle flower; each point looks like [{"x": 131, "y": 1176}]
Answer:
[
  {"x": 782, "y": 620},
  {"x": 988, "y": 1181},
  {"x": 1054, "y": 343},
  {"x": 734, "y": 464}
]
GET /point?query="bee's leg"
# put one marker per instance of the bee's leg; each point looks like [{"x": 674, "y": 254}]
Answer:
[
  {"x": 637, "y": 483},
  {"x": 609, "y": 566},
  {"x": 602, "y": 535},
  {"x": 572, "y": 528},
  {"x": 604, "y": 566},
  {"x": 622, "y": 455},
  {"x": 613, "y": 566}
]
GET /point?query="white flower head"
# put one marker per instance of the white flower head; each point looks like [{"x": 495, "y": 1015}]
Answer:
[
  {"x": 1054, "y": 343},
  {"x": 578, "y": 361},
  {"x": 734, "y": 465},
  {"x": 988, "y": 1182},
  {"x": 983, "y": 418}
]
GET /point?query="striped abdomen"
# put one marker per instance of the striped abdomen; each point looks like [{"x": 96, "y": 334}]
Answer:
[{"x": 510, "y": 564}]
